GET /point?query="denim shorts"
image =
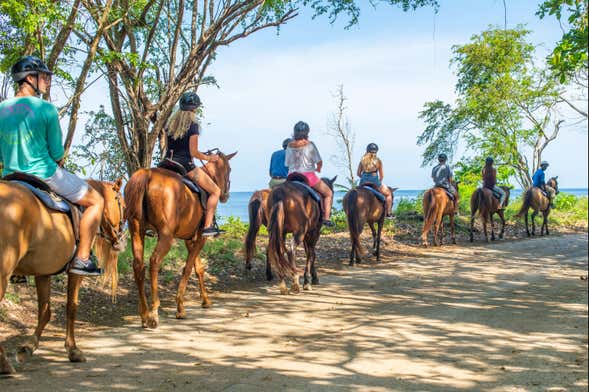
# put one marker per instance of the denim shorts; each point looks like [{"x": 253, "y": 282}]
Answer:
[
  {"x": 371, "y": 178},
  {"x": 67, "y": 185}
]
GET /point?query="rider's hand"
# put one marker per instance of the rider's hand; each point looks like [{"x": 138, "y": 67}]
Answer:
[
  {"x": 213, "y": 158},
  {"x": 61, "y": 162}
]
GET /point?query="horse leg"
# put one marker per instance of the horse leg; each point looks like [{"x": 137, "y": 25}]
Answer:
[
  {"x": 306, "y": 284},
  {"x": 492, "y": 226},
  {"x": 526, "y": 221},
  {"x": 545, "y": 222},
  {"x": 194, "y": 248},
  {"x": 5, "y": 366},
  {"x": 43, "y": 286},
  {"x": 137, "y": 240},
  {"x": 377, "y": 238},
  {"x": 73, "y": 288},
  {"x": 312, "y": 243},
  {"x": 471, "y": 226},
  {"x": 373, "y": 231},
  {"x": 164, "y": 243},
  {"x": 199, "y": 270},
  {"x": 452, "y": 229},
  {"x": 269, "y": 275},
  {"x": 501, "y": 214},
  {"x": 533, "y": 217},
  {"x": 290, "y": 252}
]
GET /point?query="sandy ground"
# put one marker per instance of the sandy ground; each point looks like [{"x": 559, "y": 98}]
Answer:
[{"x": 510, "y": 316}]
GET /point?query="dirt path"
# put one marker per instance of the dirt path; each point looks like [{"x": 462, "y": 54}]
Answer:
[{"x": 488, "y": 318}]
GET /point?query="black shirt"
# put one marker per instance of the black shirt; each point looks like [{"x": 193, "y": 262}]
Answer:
[{"x": 179, "y": 149}]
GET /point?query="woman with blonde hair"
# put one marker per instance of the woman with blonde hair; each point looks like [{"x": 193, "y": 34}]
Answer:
[
  {"x": 370, "y": 170},
  {"x": 182, "y": 132}
]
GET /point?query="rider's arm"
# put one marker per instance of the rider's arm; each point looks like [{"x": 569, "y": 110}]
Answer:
[
  {"x": 359, "y": 171},
  {"x": 380, "y": 170},
  {"x": 54, "y": 136},
  {"x": 193, "y": 143}
]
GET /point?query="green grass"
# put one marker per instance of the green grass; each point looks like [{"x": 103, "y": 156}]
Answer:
[{"x": 12, "y": 297}]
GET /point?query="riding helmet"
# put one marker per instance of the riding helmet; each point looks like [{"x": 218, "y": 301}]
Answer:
[
  {"x": 442, "y": 157},
  {"x": 285, "y": 142},
  {"x": 28, "y": 65},
  {"x": 189, "y": 101},
  {"x": 544, "y": 163},
  {"x": 489, "y": 160},
  {"x": 301, "y": 130},
  {"x": 372, "y": 147}
]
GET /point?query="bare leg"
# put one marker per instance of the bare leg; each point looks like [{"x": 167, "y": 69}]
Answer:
[
  {"x": 73, "y": 289},
  {"x": 327, "y": 194},
  {"x": 90, "y": 221},
  {"x": 43, "y": 286},
  {"x": 208, "y": 185}
]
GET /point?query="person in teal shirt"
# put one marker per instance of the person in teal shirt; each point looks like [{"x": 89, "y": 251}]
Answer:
[{"x": 31, "y": 142}]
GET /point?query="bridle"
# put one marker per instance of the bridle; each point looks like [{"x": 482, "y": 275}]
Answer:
[
  {"x": 109, "y": 232},
  {"x": 227, "y": 180}
]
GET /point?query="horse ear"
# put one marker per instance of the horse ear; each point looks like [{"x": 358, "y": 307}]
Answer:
[
  {"x": 333, "y": 179},
  {"x": 118, "y": 183},
  {"x": 231, "y": 155},
  {"x": 393, "y": 189},
  {"x": 556, "y": 178}
]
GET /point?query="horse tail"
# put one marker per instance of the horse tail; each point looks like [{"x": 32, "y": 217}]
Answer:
[
  {"x": 526, "y": 202},
  {"x": 135, "y": 193},
  {"x": 278, "y": 262},
  {"x": 428, "y": 213},
  {"x": 476, "y": 202},
  {"x": 354, "y": 224},
  {"x": 255, "y": 217},
  {"x": 109, "y": 259}
]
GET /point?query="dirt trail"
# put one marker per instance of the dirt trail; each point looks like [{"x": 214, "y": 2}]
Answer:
[{"x": 488, "y": 318}]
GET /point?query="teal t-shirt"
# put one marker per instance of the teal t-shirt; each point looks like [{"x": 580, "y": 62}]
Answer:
[{"x": 30, "y": 136}]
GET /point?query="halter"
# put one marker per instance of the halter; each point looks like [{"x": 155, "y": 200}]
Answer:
[
  {"x": 227, "y": 180},
  {"x": 113, "y": 235}
]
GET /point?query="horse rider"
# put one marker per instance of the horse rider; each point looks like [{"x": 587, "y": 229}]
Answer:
[
  {"x": 31, "y": 143},
  {"x": 443, "y": 178},
  {"x": 303, "y": 157},
  {"x": 370, "y": 170},
  {"x": 182, "y": 132},
  {"x": 539, "y": 181},
  {"x": 278, "y": 170},
  {"x": 489, "y": 174}
]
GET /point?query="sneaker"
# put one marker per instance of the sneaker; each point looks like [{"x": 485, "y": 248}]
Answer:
[
  {"x": 211, "y": 231},
  {"x": 389, "y": 216},
  {"x": 87, "y": 267},
  {"x": 328, "y": 223}
]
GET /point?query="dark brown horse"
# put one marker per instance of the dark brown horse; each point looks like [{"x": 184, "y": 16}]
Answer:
[
  {"x": 258, "y": 216},
  {"x": 39, "y": 242},
  {"x": 362, "y": 206},
  {"x": 293, "y": 210},
  {"x": 157, "y": 199},
  {"x": 534, "y": 198},
  {"x": 486, "y": 204},
  {"x": 437, "y": 205}
]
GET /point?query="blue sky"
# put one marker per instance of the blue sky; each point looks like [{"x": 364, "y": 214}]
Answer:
[{"x": 390, "y": 64}]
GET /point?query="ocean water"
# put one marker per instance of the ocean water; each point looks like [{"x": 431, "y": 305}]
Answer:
[{"x": 236, "y": 206}]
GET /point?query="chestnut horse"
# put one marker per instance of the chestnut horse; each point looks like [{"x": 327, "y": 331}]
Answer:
[
  {"x": 362, "y": 206},
  {"x": 40, "y": 242},
  {"x": 258, "y": 216},
  {"x": 436, "y": 205},
  {"x": 534, "y": 198},
  {"x": 486, "y": 204},
  {"x": 157, "y": 199},
  {"x": 293, "y": 210}
]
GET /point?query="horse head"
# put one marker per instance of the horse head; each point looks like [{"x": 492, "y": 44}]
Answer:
[
  {"x": 553, "y": 183},
  {"x": 221, "y": 172},
  {"x": 329, "y": 181}
]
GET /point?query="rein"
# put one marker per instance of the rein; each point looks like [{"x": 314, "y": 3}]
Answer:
[
  {"x": 204, "y": 168},
  {"x": 119, "y": 235}
]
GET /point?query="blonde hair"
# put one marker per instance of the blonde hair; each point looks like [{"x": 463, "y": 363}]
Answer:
[
  {"x": 370, "y": 162},
  {"x": 180, "y": 122}
]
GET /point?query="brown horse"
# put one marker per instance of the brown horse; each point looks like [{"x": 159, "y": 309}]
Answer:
[
  {"x": 40, "y": 242},
  {"x": 486, "y": 204},
  {"x": 258, "y": 216},
  {"x": 436, "y": 205},
  {"x": 293, "y": 210},
  {"x": 534, "y": 198},
  {"x": 362, "y": 206},
  {"x": 157, "y": 199}
]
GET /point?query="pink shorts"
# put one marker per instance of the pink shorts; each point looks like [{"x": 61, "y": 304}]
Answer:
[{"x": 311, "y": 178}]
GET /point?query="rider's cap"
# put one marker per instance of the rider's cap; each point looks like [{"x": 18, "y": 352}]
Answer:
[
  {"x": 189, "y": 101},
  {"x": 28, "y": 65}
]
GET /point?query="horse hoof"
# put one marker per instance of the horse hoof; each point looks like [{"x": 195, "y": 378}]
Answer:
[
  {"x": 315, "y": 281},
  {"x": 206, "y": 304},
  {"x": 5, "y": 367},
  {"x": 152, "y": 323},
  {"x": 295, "y": 288},
  {"x": 283, "y": 291},
  {"x": 307, "y": 287},
  {"x": 23, "y": 353},
  {"x": 76, "y": 355},
  {"x": 181, "y": 315},
  {"x": 248, "y": 266},
  {"x": 351, "y": 264}
]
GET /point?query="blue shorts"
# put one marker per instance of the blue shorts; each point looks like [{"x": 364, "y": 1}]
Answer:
[{"x": 371, "y": 178}]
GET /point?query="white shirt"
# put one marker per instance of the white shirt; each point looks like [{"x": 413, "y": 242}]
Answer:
[{"x": 302, "y": 159}]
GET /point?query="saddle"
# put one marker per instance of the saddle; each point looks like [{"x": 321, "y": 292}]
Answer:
[
  {"x": 374, "y": 189},
  {"x": 301, "y": 181},
  {"x": 50, "y": 199},
  {"x": 448, "y": 193},
  {"x": 543, "y": 192},
  {"x": 176, "y": 167}
]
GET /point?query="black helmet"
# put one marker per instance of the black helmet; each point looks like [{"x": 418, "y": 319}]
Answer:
[
  {"x": 372, "y": 147},
  {"x": 189, "y": 101},
  {"x": 489, "y": 160},
  {"x": 285, "y": 142},
  {"x": 301, "y": 130},
  {"x": 442, "y": 157},
  {"x": 28, "y": 65}
]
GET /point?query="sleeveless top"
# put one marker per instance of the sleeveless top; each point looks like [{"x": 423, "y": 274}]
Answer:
[{"x": 489, "y": 178}]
